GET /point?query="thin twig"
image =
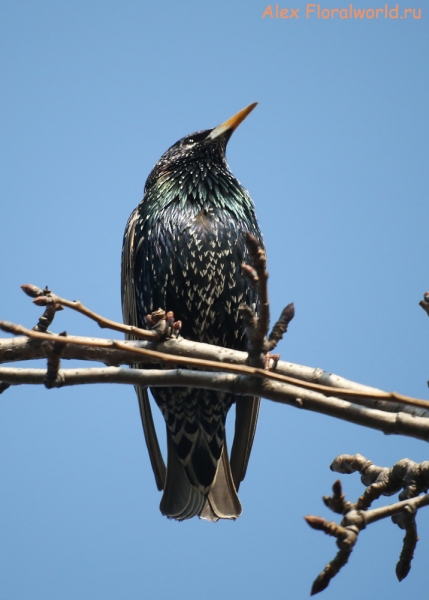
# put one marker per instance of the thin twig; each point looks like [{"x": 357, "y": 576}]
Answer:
[
  {"x": 281, "y": 326},
  {"x": 53, "y": 355},
  {"x": 257, "y": 327},
  {"x": 259, "y": 263},
  {"x": 47, "y": 298},
  {"x": 425, "y": 302}
]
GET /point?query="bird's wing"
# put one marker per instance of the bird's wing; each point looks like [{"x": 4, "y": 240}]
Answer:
[
  {"x": 246, "y": 409},
  {"x": 156, "y": 460},
  {"x": 246, "y": 420},
  {"x": 130, "y": 316},
  {"x": 229, "y": 242}
]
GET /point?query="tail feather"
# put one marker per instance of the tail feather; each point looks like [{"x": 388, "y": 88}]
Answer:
[
  {"x": 181, "y": 500},
  {"x": 222, "y": 498}
]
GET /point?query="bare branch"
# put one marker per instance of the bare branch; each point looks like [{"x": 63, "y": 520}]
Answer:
[
  {"x": 411, "y": 538},
  {"x": 411, "y": 477},
  {"x": 425, "y": 302},
  {"x": 95, "y": 349},
  {"x": 53, "y": 353},
  {"x": 49, "y": 299},
  {"x": 259, "y": 262},
  {"x": 46, "y": 319},
  {"x": 337, "y": 502},
  {"x": 306, "y": 389},
  {"x": 343, "y": 387},
  {"x": 242, "y": 374},
  {"x": 257, "y": 327},
  {"x": 283, "y": 393},
  {"x": 156, "y": 356},
  {"x": 346, "y": 539},
  {"x": 281, "y": 325}
]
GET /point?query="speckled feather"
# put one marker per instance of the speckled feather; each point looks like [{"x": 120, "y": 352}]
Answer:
[{"x": 188, "y": 247}]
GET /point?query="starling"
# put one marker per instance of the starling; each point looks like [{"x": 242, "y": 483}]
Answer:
[{"x": 183, "y": 249}]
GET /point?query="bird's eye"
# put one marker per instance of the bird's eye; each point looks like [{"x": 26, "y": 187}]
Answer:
[{"x": 195, "y": 138}]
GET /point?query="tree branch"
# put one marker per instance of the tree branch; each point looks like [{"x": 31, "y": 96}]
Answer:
[
  {"x": 410, "y": 477},
  {"x": 283, "y": 393},
  {"x": 242, "y": 374},
  {"x": 127, "y": 352},
  {"x": 425, "y": 302},
  {"x": 53, "y": 303},
  {"x": 297, "y": 385},
  {"x": 257, "y": 327}
]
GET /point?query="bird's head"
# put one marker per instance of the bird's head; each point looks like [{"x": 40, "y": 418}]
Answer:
[{"x": 206, "y": 148}]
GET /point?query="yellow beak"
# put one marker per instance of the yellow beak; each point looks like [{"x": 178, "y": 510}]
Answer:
[{"x": 231, "y": 123}]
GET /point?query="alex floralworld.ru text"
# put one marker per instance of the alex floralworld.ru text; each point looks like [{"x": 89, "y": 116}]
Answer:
[{"x": 316, "y": 11}]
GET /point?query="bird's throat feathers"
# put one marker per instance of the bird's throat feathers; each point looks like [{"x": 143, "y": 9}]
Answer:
[{"x": 194, "y": 186}]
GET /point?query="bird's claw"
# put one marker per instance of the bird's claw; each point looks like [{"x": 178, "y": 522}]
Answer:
[
  {"x": 271, "y": 361},
  {"x": 163, "y": 324},
  {"x": 174, "y": 326}
]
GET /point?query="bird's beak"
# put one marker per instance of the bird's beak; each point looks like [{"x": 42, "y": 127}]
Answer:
[{"x": 232, "y": 123}]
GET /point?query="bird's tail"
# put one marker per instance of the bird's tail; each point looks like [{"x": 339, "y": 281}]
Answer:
[{"x": 181, "y": 500}]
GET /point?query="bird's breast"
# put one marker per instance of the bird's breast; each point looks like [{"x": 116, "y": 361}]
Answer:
[{"x": 190, "y": 262}]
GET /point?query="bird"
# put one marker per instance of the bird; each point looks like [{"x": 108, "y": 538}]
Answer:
[{"x": 183, "y": 248}]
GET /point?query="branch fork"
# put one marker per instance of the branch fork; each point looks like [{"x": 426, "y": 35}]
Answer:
[{"x": 410, "y": 477}]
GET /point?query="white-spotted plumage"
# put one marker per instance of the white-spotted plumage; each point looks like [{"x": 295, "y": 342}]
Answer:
[{"x": 183, "y": 249}]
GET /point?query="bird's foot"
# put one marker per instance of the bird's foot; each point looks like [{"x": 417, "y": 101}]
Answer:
[
  {"x": 175, "y": 326},
  {"x": 271, "y": 361},
  {"x": 163, "y": 324}
]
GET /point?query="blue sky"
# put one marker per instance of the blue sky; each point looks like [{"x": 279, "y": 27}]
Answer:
[{"x": 335, "y": 158}]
